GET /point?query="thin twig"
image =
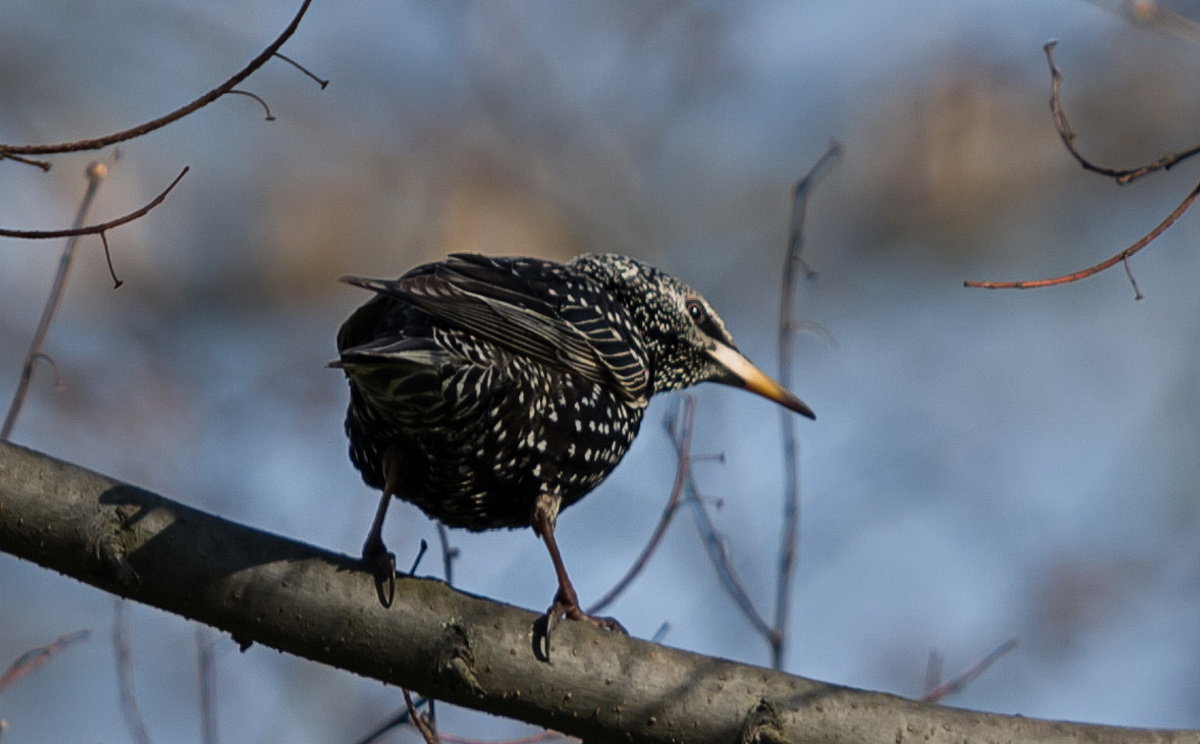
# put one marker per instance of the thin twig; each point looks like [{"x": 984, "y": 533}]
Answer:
[
  {"x": 968, "y": 675},
  {"x": 683, "y": 466},
  {"x": 128, "y": 692},
  {"x": 714, "y": 545},
  {"x": 206, "y": 666},
  {"x": 933, "y": 670},
  {"x": 1121, "y": 176},
  {"x": 1124, "y": 255},
  {"x": 790, "y": 538},
  {"x": 421, "y": 722},
  {"x": 449, "y": 553},
  {"x": 97, "y": 228},
  {"x": 43, "y": 164},
  {"x": 255, "y": 96},
  {"x": 96, "y": 143},
  {"x": 399, "y": 718},
  {"x": 35, "y": 658},
  {"x": 323, "y": 83},
  {"x": 531, "y": 739},
  {"x": 95, "y": 174}
]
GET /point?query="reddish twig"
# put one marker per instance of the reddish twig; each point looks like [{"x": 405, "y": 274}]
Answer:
[
  {"x": 684, "y": 452},
  {"x": 419, "y": 720},
  {"x": 968, "y": 675},
  {"x": 128, "y": 692},
  {"x": 98, "y": 228},
  {"x": 35, "y": 658},
  {"x": 793, "y": 262},
  {"x": 531, "y": 739},
  {"x": 96, "y": 143},
  {"x": 1121, "y": 176},
  {"x": 1124, "y": 255},
  {"x": 95, "y": 174}
]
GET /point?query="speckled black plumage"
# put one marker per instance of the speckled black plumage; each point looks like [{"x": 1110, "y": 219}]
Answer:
[{"x": 493, "y": 382}]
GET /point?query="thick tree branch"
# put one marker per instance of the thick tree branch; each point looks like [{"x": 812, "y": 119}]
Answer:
[{"x": 446, "y": 644}]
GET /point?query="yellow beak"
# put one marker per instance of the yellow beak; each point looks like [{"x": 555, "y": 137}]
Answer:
[{"x": 744, "y": 374}]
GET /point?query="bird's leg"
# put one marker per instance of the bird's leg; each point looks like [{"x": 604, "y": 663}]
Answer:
[
  {"x": 566, "y": 601},
  {"x": 375, "y": 554}
]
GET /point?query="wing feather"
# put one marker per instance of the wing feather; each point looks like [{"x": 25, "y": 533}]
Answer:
[{"x": 538, "y": 309}]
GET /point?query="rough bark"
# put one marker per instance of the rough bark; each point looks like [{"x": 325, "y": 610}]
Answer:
[{"x": 452, "y": 646}]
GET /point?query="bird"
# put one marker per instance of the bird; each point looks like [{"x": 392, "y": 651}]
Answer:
[{"x": 494, "y": 392}]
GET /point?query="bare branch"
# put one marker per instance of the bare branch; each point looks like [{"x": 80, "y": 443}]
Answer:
[
  {"x": 256, "y": 97},
  {"x": 790, "y": 538},
  {"x": 96, "y": 143},
  {"x": 449, "y": 553},
  {"x": 128, "y": 691},
  {"x": 967, "y": 676},
  {"x": 684, "y": 464},
  {"x": 531, "y": 739},
  {"x": 420, "y": 721},
  {"x": 446, "y": 644},
  {"x": 98, "y": 228},
  {"x": 34, "y": 659},
  {"x": 323, "y": 83},
  {"x": 43, "y": 164},
  {"x": 95, "y": 174},
  {"x": 715, "y": 547},
  {"x": 1108, "y": 263},
  {"x": 1121, "y": 176}
]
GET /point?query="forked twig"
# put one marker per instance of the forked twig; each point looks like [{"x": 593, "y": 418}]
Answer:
[
  {"x": 96, "y": 143},
  {"x": 95, "y": 173},
  {"x": 682, "y": 434},
  {"x": 1121, "y": 176},
  {"x": 420, "y": 721},
  {"x": 1124, "y": 255},
  {"x": 714, "y": 546},
  {"x": 952, "y": 686},
  {"x": 793, "y": 262}
]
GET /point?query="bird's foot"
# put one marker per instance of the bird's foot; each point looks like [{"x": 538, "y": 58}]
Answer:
[
  {"x": 382, "y": 563},
  {"x": 567, "y": 608}
]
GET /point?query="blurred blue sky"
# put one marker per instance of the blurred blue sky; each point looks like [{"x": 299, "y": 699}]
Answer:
[{"x": 986, "y": 465}]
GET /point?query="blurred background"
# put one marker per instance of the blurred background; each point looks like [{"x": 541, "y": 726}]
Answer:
[{"x": 985, "y": 466}]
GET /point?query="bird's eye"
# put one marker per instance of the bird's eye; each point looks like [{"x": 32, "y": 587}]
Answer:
[{"x": 696, "y": 309}]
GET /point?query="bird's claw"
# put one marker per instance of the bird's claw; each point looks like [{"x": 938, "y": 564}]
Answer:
[
  {"x": 545, "y": 625},
  {"x": 382, "y": 564}
]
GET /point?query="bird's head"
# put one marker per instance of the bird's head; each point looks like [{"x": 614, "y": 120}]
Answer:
[{"x": 686, "y": 340}]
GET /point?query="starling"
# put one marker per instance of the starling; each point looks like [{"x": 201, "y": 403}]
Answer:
[{"x": 495, "y": 392}]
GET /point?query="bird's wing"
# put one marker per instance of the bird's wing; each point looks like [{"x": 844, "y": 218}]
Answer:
[{"x": 533, "y": 308}]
